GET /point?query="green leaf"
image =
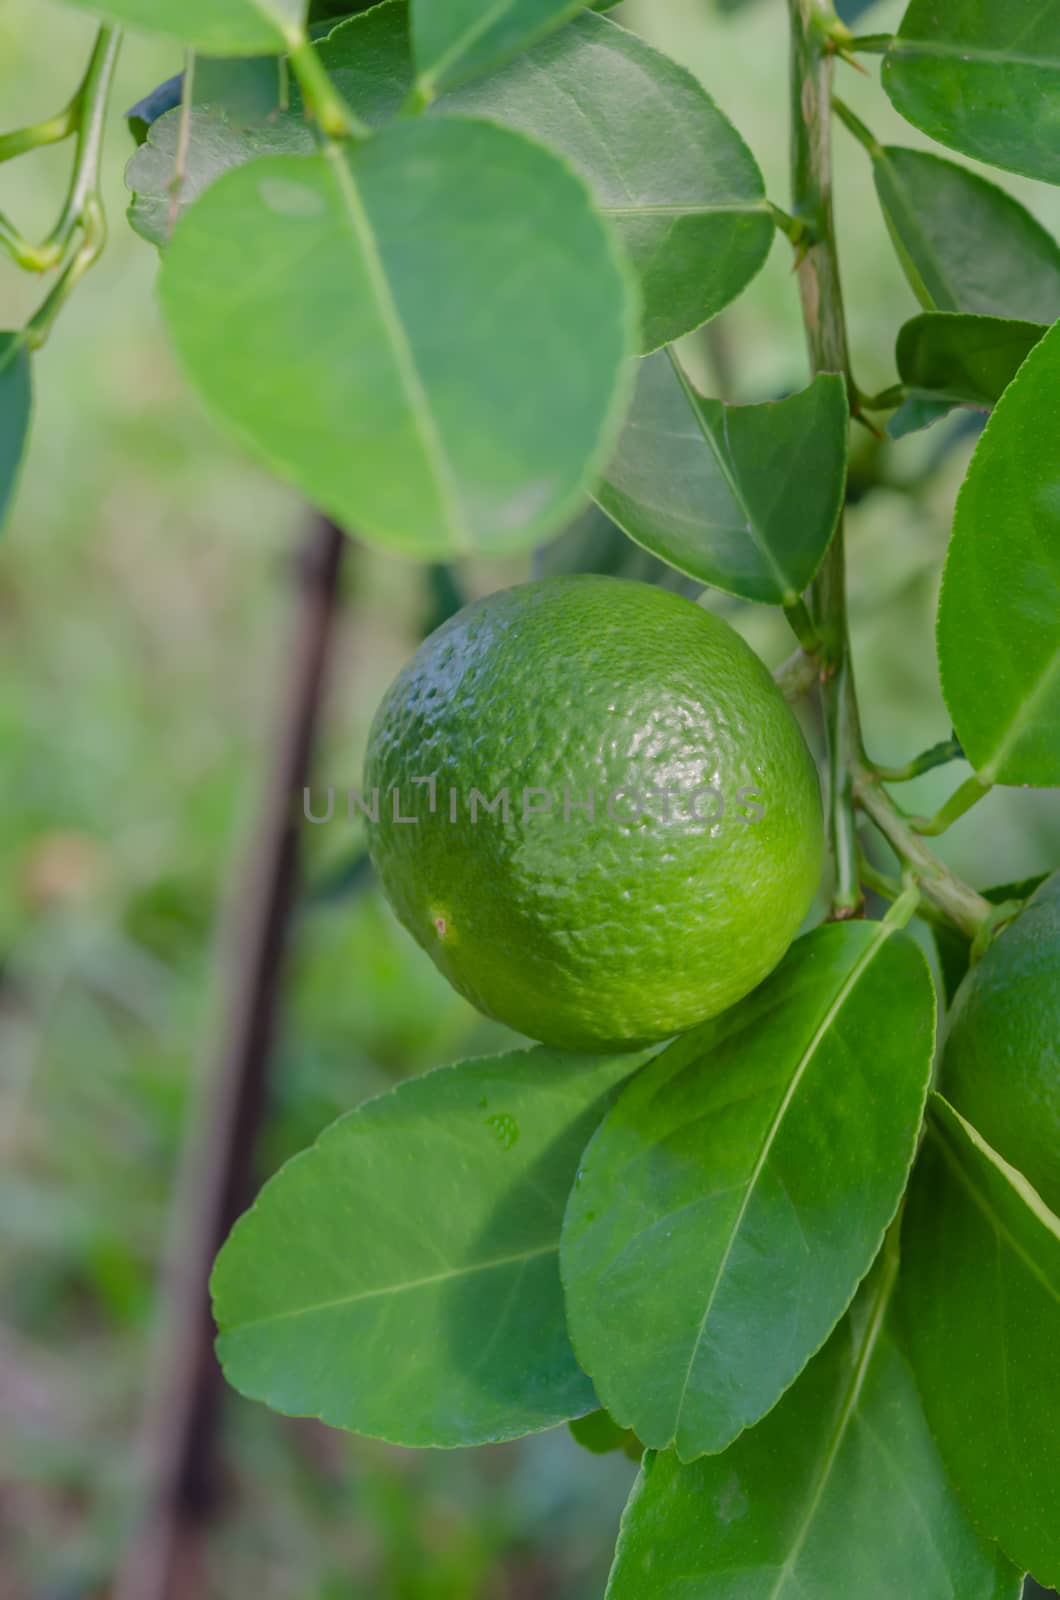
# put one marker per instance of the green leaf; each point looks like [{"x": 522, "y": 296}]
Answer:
[
  {"x": 384, "y": 328},
  {"x": 998, "y": 640},
  {"x": 980, "y": 1297},
  {"x": 454, "y": 40},
  {"x": 216, "y": 147},
  {"x": 400, "y": 1278},
  {"x": 982, "y": 76},
  {"x": 16, "y": 404},
  {"x": 918, "y": 411},
  {"x": 732, "y": 1200},
  {"x": 593, "y": 544},
  {"x": 667, "y": 167},
  {"x": 601, "y": 1436},
  {"x": 742, "y": 497},
  {"x": 965, "y": 244},
  {"x": 961, "y": 359},
  {"x": 679, "y": 185},
  {"x": 840, "y": 1491},
  {"x": 221, "y": 27},
  {"x": 248, "y": 88}
]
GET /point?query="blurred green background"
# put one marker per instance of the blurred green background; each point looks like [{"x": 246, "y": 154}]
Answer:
[{"x": 145, "y": 614}]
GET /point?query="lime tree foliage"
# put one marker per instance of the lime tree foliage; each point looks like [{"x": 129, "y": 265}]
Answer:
[{"x": 741, "y": 1214}]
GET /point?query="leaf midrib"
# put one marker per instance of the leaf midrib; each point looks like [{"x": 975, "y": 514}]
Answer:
[
  {"x": 832, "y": 1011},
  {"x": 401, "y": 348},
  {"x": 341, "y": 1302},
  {"x": 780, "y": 577},
  {"x": 847, "y": 1411},
  {"x": 945, "y": 48}
]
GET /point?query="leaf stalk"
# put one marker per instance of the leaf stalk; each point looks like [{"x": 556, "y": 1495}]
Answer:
[{"x": 323, "y": 103}]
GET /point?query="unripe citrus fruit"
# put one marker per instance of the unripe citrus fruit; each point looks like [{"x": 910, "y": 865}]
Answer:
[
  {"x": 1001, "y": 1057},
  {"x": 655, "y": 837}
]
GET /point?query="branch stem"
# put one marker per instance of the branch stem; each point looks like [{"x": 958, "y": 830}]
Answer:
[
  {"x": 53, "y": 130},
  {"x": 822, "y": 307},
  {"x": 966, "y": 909},
  {"x": 83, "y": 207}
]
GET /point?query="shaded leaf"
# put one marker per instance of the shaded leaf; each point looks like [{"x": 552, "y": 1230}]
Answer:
[
  {"x": 998, "y": 635},
  {"x": 965, "y": 244},
  {"x": 840, "y": 1491},
  {"x": 221, "y": 27},
  {"x": 454, "y": 40},
  {"x": 742, "y": 497},
  {"x": 216, "y": 148},
  {"x": 601, "y": 1436},
  {"x": 736, "y": 1194},
  {"x": 663, "y": 163},
  {"x": 982, "y": 76},
  {"x": 980, "y": 1297},
  {"x": 963, "y": 360},
  {"x": 392, "y": 348},
  {"x": 594, "y": 544},
  {"x": 918, "y": 411},
  {"x": 16, "y": 404},
  {"x": 248, "y": 88},
  {"x": 400, "y": 1278}
]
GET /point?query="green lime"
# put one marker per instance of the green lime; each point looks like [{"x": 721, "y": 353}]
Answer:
[
  {"x": 1001, "y": 1056},
  {"x": 595, "y": 811}
]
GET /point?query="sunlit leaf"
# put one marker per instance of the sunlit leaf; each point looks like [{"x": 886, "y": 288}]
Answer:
[
  {"x": 664, "y": 165},
  {"x": 401, "y": 1279},
  {"x": 385, "y": 328},
  {"x": 222, "y": 27},
  {"x": 739, "y": 1190},
  {"x": 998, "y": 638}
]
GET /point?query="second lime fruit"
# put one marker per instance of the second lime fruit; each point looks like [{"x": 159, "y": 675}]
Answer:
[
  {"x": 1001, "y": 1055},
  {"x": 655, "y": 835}
]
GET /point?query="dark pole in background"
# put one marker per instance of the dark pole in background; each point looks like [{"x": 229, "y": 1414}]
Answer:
[{"x": 181, "y": 1474}]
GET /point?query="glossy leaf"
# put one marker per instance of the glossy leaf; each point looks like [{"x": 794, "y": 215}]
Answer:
[
  {"x": 742, "y": 497},
  {"x": 963, "y": 359},
  {"x": 840, "y": 1491},
  {"x": 222, "y": 27},
  {"x": 663, "y": 163},
  {"x": 981, "y": 1307},
  {"x": 393, "y": 345},
  {"x": 16, "y": 401},
  {"x": 998, "y": 636},
  {"x": 738, "y": 1191},
  {"x": 400, "y": 1278},
  {"x": 454, "y": 40},
  {"x": 593, "y": 543},
  {"x": 982, "y": 76},
  {"x": 965, "y": 244}
]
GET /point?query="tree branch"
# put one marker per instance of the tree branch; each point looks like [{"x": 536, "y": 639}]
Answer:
[
  {"x": 181, "y": 1472},
  {"x": 822, "y": 309}
]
